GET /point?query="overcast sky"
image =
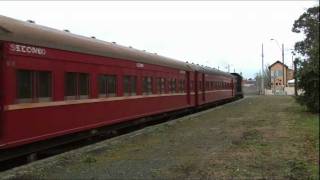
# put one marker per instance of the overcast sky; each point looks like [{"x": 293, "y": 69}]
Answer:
[{"x": 212, "y": 33}]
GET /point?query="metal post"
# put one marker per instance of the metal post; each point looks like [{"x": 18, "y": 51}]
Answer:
[
  {"x": 295, "y": 78},
  {"x": 262, "y": 74},
  {"x": 284, "y": 81}
]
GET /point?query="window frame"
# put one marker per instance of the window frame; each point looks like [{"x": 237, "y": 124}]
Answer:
[
  {"x": 77, "y": 95},
  {"x": 132, "y": 78},
  {"x": 35, "y": 86},
  {"x": 147, "y": 85},
  {"x": 106, "y": 83}
]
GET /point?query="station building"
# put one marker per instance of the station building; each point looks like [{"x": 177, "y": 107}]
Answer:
[{"x": 279, "y": 81}]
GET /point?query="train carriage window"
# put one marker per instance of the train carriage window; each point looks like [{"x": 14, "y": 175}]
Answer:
[
  {"x": 181, "y": 87},
  {"x": 173, "y": 86},
  {"x": 45, "y": 86},
  {"x": 76, "y": 85},
  {"x": 126, "y": 85},
  {"x": 133, "y": 85},
  {"x": 83, "y": 85},
  {"x": 102, "y": 85},
  {"x": 33, "y": 86},
  {"x": 169, "y": 85},
  {"x": 111, "y": 85},
  {"x": 70, "y": 85},
  {"x": 107, "y": 85},
  {"x": 24, "y": 86},
  {"x": 130, "y": 85},
  {"x": 147, "y": 85},
  {"x": 161, "y": 85}
]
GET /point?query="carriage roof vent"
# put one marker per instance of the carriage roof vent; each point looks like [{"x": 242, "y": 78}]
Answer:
[
  {"x": 114, "y": 42},
  {"x": 130, "y": 46},
  {"x": 66, "y": 30},
  {"x": 93, "y": 37},
  {"x": 31, "y": 21}
]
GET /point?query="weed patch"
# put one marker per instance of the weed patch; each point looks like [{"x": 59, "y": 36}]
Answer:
[
  {"x": 89, "y": 159},
  {"x": 298, "y": 170}
]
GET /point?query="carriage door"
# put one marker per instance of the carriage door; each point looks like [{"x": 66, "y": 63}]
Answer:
[
  {"x": 203, "y": 87},
  {"x": 196, "y": 90},
  {"x": 188, "y": 86},
  {"x": 232, "y": 87},
  {"x": 1, "y": 88}
]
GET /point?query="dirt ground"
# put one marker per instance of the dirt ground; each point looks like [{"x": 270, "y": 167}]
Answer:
[{"x": 257, "y": 137}]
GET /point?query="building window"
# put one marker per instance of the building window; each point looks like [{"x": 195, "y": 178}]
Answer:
[
  {"x": 76, "y": 85},
  {"x": 147, "y": 85},
  {"x": 107, "y": 85},
  {"x": 33, "y": 86},
  {"x": 130, "y": 85}
]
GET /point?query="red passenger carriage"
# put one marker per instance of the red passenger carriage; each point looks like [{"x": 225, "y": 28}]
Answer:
[{"x": 55, "y": 83}]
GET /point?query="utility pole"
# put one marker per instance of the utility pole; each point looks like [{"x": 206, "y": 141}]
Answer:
[
  {"x": 284, "y": 81},
  {"x": 295, "y": 77},
  {"x": 262, "y": 74}
]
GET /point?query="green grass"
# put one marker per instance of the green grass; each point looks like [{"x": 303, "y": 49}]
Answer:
[
  {"x": 306, "y": 127},
  {"x": 281, "y": 141}
]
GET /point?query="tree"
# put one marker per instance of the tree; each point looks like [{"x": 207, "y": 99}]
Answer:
[
  {"x": 267, "y": 77},
  {"x": 307, "y": 74}
]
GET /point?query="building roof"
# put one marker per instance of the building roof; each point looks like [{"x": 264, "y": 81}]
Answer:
[{"x": 276, "y": 63}]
